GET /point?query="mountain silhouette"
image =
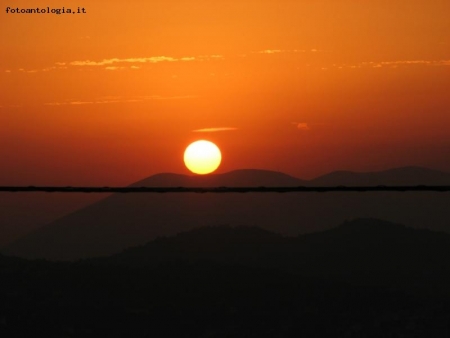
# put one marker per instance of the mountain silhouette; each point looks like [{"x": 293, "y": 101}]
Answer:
[
  {"x": 365, "y": 277},
  {"x": 236, "y": 178},
  {"x": 405, "y": 176},
  {"x": 361, "y": 251},
  {"x": 125, "y": 220},
  {"x": 121, "y": 221}
]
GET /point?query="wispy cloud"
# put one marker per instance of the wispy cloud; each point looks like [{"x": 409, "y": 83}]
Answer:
[
  {"x": 151, "y": 59},
  {"x": 46, "y": 69},
  {"x": 271, "y": 51},
  {"x": 213, "y": 130},
  {"x": 75, "y": 103},
  {"x": 105, "y": 62},
  {"x": 121, "y": 63},
  {"x": 302, "y": 126},
  {"x": 119, "y": 99},
  {"x": 398, "y": 63},
  {"x": 114, "y": 68},
  {"x": 277, "y": 51},
  {"x": 81, "y": 102},
  {"x": 180, "y": 97}
]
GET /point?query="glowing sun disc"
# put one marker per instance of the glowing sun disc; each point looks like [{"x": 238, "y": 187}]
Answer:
[{"x": 202, "y": 157}]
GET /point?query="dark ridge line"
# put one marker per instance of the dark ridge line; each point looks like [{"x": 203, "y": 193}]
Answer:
[{"x": 418, "y": 188}]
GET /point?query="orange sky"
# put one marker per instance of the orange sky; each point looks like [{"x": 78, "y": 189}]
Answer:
[{"x": 305, "y": 87}]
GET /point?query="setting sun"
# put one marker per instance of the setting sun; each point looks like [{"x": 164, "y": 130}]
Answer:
[{"x": 202, "y": 157}]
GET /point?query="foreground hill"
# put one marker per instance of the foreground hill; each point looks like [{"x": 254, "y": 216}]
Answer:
[
  {"x": 365, "y": 278},
  {"x": 367, "y": 251},
  {"x": 126, "y": 220}
]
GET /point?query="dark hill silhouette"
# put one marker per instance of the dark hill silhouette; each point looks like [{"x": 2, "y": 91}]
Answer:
[
  {"x": 231, "y": 245},
  {"x": 362, "y": 252},
  {"x": 126, "y": 220},
  {"x": 365, "y": 278},
  {"x": 375, "y": 252},
  {"x": 212, "y": 242}
]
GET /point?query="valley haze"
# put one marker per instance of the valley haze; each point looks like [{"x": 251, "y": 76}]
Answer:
[{"x": 120, "y": 221}]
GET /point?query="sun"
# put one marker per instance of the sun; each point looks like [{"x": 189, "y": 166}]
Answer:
[{"x": 202, "y": 157}]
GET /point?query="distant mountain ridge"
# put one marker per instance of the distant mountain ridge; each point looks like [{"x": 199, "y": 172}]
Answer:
[
  {"x": 404, "y": 176},
  {"x": 236, "y": 178},
  {"x": 125, "y": 220}
]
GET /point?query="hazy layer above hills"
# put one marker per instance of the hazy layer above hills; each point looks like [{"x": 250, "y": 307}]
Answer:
[
  {"x": 22, "y": 213},
  {"x": 123, "y": 220}
]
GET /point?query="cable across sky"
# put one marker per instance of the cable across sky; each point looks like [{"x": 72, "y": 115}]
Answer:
[{"x": 379, "y": 188}]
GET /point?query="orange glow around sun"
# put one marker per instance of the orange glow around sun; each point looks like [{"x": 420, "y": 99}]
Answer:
[
  {"x": 301, "y": 87},
  {"x": 202, "y": 157}
]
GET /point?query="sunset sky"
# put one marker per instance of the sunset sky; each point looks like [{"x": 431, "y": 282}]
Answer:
[{"x": 305, "y": 87}]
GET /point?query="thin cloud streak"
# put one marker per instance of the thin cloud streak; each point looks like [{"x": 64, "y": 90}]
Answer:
[
  {"x": 278, "y": 51},
  {"x": 118, "y": 99},
  {"x": 113, "y": 64},
  {"x": 119, "y": 63},
  {"x": 152, "y": 59},
  {"x": 214, "y": 130},
  {"x": 114, "y": 68},
  {"x": 104, "y": 62},
  {"x": 302, "y": 126},
  {"x": 406, "y": 63}
]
